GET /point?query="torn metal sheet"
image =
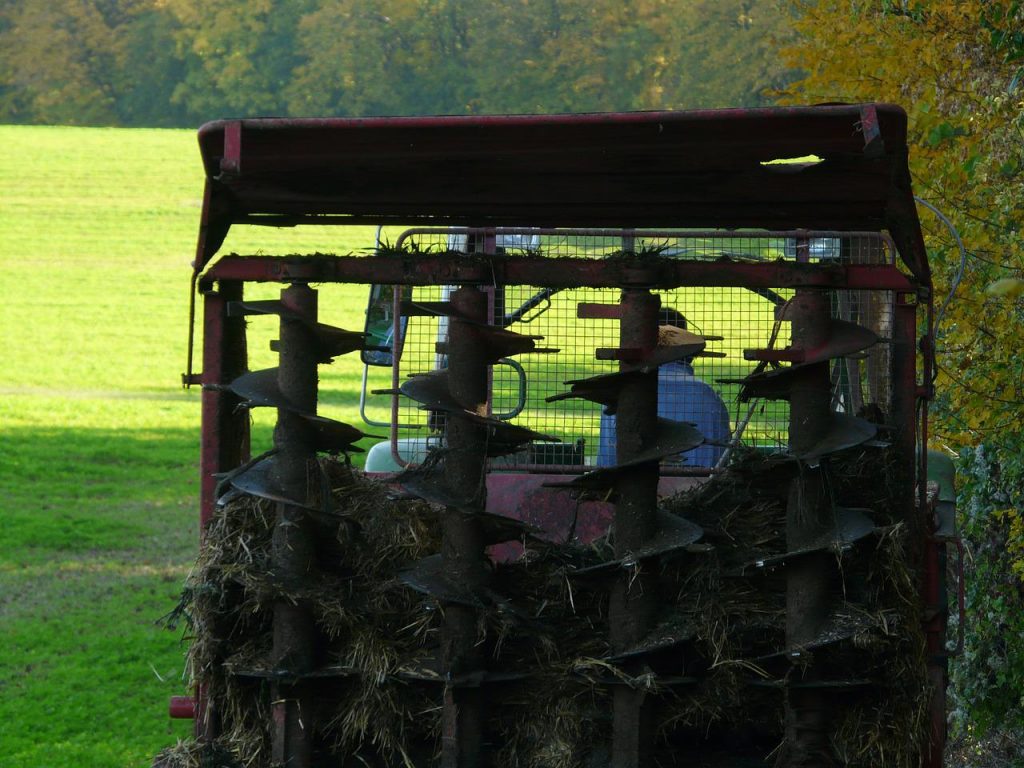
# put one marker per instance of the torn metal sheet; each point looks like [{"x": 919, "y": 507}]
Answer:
[
  {"x": 427, "y": 577},
  {"x": 673, "y": 534},
  {"x": 844, "y": 431},
  {"x": 668, "y": 634},
  {"x": 852, "y": 525}
]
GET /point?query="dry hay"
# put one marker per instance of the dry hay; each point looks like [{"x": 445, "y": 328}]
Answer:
[
  {"x": 875, "y": 629},
  {"x": 540, "y": 620},
  {"x": 552, "y": 721},
  {"x": 190, "y": 754},
  {"x": 355, "y": 599},
  {"x": 890, "y": 725}
]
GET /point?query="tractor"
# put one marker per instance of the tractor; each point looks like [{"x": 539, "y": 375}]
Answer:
[{"x": 644, "y": 412}]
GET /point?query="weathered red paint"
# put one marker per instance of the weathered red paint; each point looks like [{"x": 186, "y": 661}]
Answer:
[
  {"x": 432, "y": 269},
  {"x": 554, "y": 512},
  {"x": 652, "y": 169},
  {"x": 182, "y": 707},
  {"x": 670, "y": 169}
]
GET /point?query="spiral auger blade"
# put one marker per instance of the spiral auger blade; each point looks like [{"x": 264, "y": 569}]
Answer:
[
  {"x": 283, "y": 476},
  {"x": 838, "y": 338},
  {"x": 642, "y": 532},
  {"x": 262, "y": 389},
  {"x": 668, "y": 438},
  {"x": 432, "y": 392},
  {"x": 818, "y": 531},
  {"x": 454, "y": 478},
  {"x": 602, "y": 389},
  {"x": 834, "y": 339},
  {"x": 671, "y": 533},
  {"x": 499, "y": 342},
  {"x": 329, "y": 341}
]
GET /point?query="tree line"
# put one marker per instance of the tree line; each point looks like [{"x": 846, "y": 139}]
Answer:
[{"x": 181, "y": 62}]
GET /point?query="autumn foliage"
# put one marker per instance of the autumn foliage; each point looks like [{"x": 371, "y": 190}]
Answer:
[
  {"x": 181, "y": 62},
  {"x": 957, "y": 67}
]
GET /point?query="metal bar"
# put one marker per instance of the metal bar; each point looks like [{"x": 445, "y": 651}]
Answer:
[
  {"x": 292, "y": 548},
  {"x": 462, "y": 552},
  {"x": 225, "y": 441},
  {"x": 453, "y": 269},
  {"x": 633, "y": 599},
  {"x": 396, "y": 362},
  {"x": 182, "y": 708},
  {"x": 225, "y": 430},
  {"x": 809, "y": 580},
  {"x": 929, "y": 557}
]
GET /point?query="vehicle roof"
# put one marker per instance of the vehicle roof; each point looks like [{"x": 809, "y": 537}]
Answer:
[{"x": 706, "y": 169}]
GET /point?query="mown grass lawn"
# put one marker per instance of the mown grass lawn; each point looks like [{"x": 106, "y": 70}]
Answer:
[{"x": 98, "y": 442}]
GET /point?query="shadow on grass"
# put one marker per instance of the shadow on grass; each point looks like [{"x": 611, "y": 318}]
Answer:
[
  {"x": 75, "y": 489},
  {"x": 86, "y": 489}
]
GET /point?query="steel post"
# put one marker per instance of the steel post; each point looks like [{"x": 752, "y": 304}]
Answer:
[
  {"x": 633, "y": 599},
  {"x": 292, "y": 549},
  {"x": 463, "y": 558},
  {"x": 225, "y": 429},
  {"x": 927, "y": 554}
]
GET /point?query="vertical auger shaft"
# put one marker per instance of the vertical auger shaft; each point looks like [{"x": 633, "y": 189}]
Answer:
[
  {"x": 809, "y": 580},
  {"x": 633, "y": 599},
  {"x": 293, "y": 540},
  {"x": 463, "y": 557}
]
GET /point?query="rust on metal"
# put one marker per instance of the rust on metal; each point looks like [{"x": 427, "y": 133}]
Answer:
[
  {"x": 287, "y": 171},
  {"x": 653, "y": 170},
  {"x": 463, "y": 542},
  {"x": 431, "y": 269},
  {"x": 810, "y": 579},
  {"x": 840, "y": 338},
  {"x": 225, "y": 429},
  {"x": 633, "y": 598},
  {"x": 292, "y": 550}
]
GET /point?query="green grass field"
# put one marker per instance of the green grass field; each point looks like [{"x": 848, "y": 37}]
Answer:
[
  {"x": 98, "y": 442},
  {"x": 99, "y": 448}
]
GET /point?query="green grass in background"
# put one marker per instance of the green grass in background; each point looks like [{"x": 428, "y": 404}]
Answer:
[{"x": 98, "y": 442}]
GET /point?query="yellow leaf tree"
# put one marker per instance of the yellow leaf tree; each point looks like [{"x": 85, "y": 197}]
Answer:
[
  {"x": 957, "y": 67},
  {"x": 954, "y": 67}
]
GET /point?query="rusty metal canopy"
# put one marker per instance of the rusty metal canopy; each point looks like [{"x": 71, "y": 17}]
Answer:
[{"x": 646, "y": 169}]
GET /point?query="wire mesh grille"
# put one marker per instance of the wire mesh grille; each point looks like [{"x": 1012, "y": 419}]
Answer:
[{"x": 700, "y": 390}]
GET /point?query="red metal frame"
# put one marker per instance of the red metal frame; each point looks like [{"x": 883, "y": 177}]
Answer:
[
  {"x": 432, "y": 269},
  {"x": 650, "y": 169}
]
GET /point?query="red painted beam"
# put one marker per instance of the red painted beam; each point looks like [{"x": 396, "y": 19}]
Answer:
[{"x": 432, "y": 269}]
